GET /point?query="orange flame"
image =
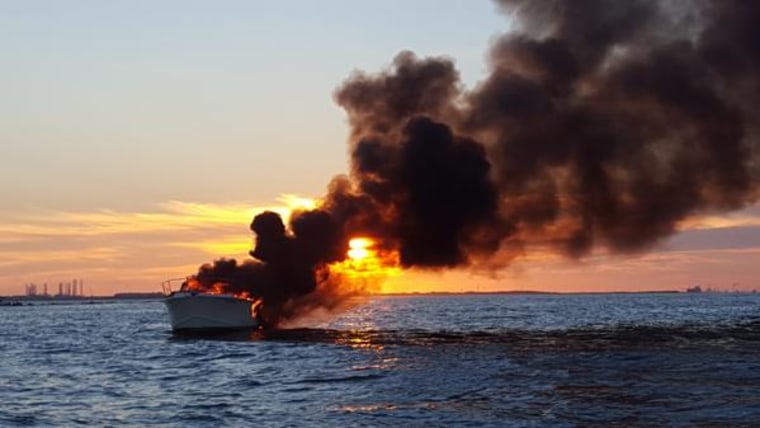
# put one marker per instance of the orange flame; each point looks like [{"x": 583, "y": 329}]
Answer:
[{"x": 192, "y": 284}]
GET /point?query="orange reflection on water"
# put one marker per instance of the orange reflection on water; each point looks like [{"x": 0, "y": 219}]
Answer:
[{"x": 359, "y": 339}]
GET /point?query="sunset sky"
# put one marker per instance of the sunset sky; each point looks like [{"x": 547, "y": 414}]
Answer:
[{"x": 138, "y": 139}]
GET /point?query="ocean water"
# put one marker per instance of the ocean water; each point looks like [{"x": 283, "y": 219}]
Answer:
[{"x": 482, "y": 360}]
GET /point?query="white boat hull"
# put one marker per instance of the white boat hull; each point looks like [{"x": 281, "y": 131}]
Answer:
[{"x": 198, "y": 311}]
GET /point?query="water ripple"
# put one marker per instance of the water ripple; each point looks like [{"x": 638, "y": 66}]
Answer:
[{"x": 603, "y": 360}]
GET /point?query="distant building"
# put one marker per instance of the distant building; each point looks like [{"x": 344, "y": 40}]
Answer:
[
  {"x": 30, "y": 290},
  {"x": 75, "y": 288}
]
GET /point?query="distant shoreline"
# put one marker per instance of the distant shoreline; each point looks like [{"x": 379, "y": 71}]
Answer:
[
  {"x": 551, "y": 293},
  {"x": 117, "y": 296},
  {"x": 158, "y": 295}
]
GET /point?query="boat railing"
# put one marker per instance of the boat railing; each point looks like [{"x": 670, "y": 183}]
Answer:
[{"x": 166, "y": 286}]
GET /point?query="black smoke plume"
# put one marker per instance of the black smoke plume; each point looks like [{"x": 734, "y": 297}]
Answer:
[{"x": 601, "y": 124}]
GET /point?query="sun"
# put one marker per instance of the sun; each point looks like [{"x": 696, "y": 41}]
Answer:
[
  {"x": 366, "y": 265},
  {"x": 359, "y": 248}
]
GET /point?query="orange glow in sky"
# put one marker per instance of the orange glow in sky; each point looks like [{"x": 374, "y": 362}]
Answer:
[{"x": 117, "y": 251}]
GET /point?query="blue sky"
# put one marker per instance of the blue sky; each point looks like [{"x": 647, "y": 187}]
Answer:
[{"x": 125, "y": 104}]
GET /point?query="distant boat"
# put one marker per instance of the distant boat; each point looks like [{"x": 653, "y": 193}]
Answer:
[
  {"x": 193, "y": 310},
  {"x": 695, "y": 289}
]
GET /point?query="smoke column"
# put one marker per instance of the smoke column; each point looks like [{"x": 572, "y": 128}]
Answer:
[{"x": 602, "y": 124}]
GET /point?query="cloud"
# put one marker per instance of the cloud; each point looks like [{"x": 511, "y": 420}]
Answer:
[
  {"x": 113, "y": 249},
  {"x": 171, "y": 215},
  {"x": 748, "y": 217},
  {"x": 117, "y": 251}
]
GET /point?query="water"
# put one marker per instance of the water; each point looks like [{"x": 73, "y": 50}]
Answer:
[{"x": 498, "y": 360}]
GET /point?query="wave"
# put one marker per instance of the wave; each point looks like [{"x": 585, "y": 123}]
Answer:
[{"x": 622, "y": 336}]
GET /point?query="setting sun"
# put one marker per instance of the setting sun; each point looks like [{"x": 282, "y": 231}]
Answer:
[
  {"x": 366, "y": 262},
  {"x": 359, "y": 248}
]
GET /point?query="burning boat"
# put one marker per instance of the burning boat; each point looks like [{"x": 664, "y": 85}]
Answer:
[
  {"x": 193, "y": 310},
  {"x": 230, "y": 295}
]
